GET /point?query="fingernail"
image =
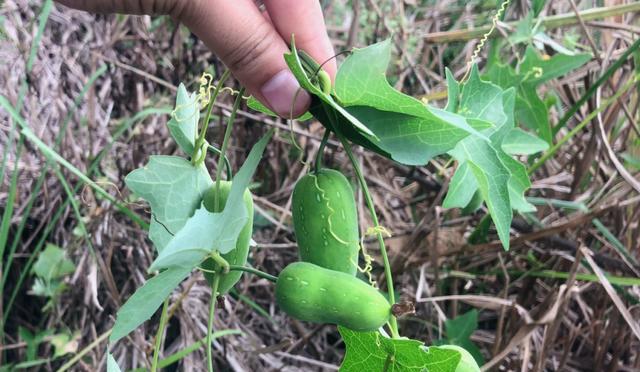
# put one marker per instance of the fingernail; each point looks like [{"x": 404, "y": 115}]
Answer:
[{"x": 280, "y": 92}]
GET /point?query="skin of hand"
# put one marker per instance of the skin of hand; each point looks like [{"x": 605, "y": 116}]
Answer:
[{"x": 251, "y": 43}]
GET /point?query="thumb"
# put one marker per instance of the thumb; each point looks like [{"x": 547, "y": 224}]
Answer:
[{"x": 251, "y": 48}]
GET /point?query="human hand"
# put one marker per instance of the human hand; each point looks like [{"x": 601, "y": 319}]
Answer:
[{"x": 250, "y": 42}]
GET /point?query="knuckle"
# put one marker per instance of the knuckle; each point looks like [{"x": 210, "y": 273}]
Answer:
[
  {"x": 250, "y": 49},
  {"x": 177, "y": 8}
]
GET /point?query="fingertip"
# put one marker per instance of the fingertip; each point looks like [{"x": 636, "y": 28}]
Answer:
[
  {"x": 282, "y": 93},
  {"x": 305, "y": 20}
]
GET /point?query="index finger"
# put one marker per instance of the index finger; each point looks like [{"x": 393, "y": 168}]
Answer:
[{"x": 304, "y": 19}]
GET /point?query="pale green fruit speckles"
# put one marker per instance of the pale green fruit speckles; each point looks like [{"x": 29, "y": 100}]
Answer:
[
  {"x": 325, "y": 221},
  {"x": 309, "y": 292}
]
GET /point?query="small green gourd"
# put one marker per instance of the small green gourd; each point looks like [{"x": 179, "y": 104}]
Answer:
[
  {"x": 309, "y": 292},
  {"x": 238, "y": 256},
  {"x": 325, "y": 220}
]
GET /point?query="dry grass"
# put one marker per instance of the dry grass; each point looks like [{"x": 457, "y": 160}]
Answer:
[{"x": 527, "y": 322}]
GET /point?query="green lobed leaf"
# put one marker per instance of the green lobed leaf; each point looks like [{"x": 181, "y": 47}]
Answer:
[
  {"x": 518, "y": 183},
  {"x": 520, "y": 142},
  {"x": 159, "y": 234},
  {"x": 492, "y": 177},
  {"x": 293, "y": 61},
  {"x": 502, "y": 75},
  {"x": 482, "y": 100},
  {"x": 525, "y": 30},
  {"x": 461, "y": 327},
  {"x": 53, "y": 264},
  {"x": 408, "y": 131},
  {"x": 484, "y": 159},
  {"x": 206, "y": 232},
  {"x": 475, "y": 204},
  {"x": 539, "y": 70},
  {"x": 462, "y": 188},
  {"x": 146, "y": 300},
  {"x": 413, "y": 140},
  {"x": 361, "y": 81},
  {"x": 183, "y": 124},
  {"x": 370, "y": 351},
  {"x": 532, "y": 112},
  {"x": 336, "y": 122},
  {"x": 173, "y": 187},
  {"x": 484, "y": 166},
  {"x": 533, "y": 71},
  {"x": 453, "y": 91},
  {"x": 459, "y": 331},
  {"x": 368, "y": 111}
]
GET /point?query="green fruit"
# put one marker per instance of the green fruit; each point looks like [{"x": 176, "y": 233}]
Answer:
[
  {"x": 325, "y": 220},
  {"x": 238, "y": 256},
  {"x": 315, "y": 294},
  {"x": 325, "y": 81},
  {"x": 467, "y": 362}
]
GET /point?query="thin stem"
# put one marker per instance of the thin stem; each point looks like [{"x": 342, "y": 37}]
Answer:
[
  {"x": 225, "y": 144},
  {"x": 393, "y": 324},
  {"x": 156, "y": 349},
  {"x": 387, "y": 363},
  {"x": 253, "y": 271},
  {"x": 222, "y": 264},
  {"x": 179, "y": 355},
  {"x": 227, "y": 165},
  {"x": 205, "y": 125},
  {"x": 212, "y": 308},
  {"x": 323, "y": 143}
]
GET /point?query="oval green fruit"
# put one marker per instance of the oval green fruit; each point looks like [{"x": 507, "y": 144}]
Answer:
[
  {"x": 325, "y": 220},
  {"x": 325, "y": 81},
  {"x": 309, "y": 292},
  {"x": 467, "y": 362},
  {"x": 238, "y": 256}
]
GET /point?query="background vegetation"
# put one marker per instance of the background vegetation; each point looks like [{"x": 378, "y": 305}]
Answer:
[{"x": 96, "y": 91}]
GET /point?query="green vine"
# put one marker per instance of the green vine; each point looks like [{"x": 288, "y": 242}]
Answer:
[
  {"x": 158, "y": 343},
  {"x": 323, "y": 143},
  {"x": 225, "y": 144},
  {"x": 198, "y": 155}
]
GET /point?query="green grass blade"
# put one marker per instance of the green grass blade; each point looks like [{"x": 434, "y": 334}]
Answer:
[
  {"x": 54, "y": 156},
  {"x": 179, "y": 355},
  {"x": 6, "y": 223},
  {"x": 59, "y": 212},
  {"x": 42, "y": 22},
  {"x": 594, "y": 87},
  {"x": 35, "y": 190},
  {"x": 8, "y": 208},
  {"x": 240, "y": 297},
  {"x": 617, "y": 244},
  {"x": 615, "y": 280}
]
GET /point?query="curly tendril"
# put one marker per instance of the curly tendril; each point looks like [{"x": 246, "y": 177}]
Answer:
[{"x": 485, "y": 37}]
